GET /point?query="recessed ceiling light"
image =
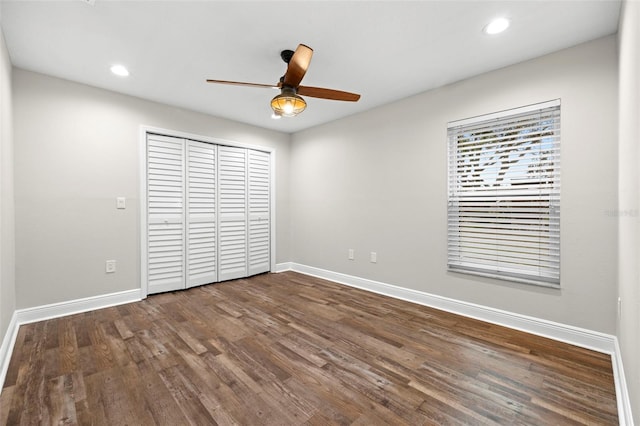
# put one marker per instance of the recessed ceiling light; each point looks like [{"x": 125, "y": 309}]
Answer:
[
  {"x": 120, "y": 70},
  {"x": 496, "y": 26}
]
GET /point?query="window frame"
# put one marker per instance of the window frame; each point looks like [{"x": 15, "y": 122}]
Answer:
[{"x": 482, "y": 233}]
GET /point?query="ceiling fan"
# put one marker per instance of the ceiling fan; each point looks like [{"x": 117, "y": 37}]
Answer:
[{"x": 289, "y": 103}]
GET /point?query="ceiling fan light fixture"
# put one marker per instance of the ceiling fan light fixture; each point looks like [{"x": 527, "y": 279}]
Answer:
[{"x": 287, "y": 104}]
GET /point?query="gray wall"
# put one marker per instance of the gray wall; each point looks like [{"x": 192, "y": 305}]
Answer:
[
  {"x": 629, "y": 200},
  {"x": 377, "y": 181},
  {"x": 7, "y": 241},
  {"x": 76, "y": 150}
]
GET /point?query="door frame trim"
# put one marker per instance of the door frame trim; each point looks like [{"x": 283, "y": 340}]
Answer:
[{"x": 142, "y": 169}]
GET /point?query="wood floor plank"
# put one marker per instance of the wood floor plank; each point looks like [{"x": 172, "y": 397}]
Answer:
[
  {"x": 231, "y": 407},
  {"x": 289, "y": 349},
  {"x": 121, "y": 398},
  {"x": 103, "y": 357},
  {"x": 69, "y": 354},
  {"x": 186, "y": 396},
  {"x": 30, "y": 379},
  {"x": 302, "y": 347},
  {"x": 22, "y": 347},
  {"x": 163, "y": 407},
  {"x": 80, "y": 329},
  {"x": 123, "y": 329},
  {"x": 5, "y": 403},
  {"x": 61, "y": 402},
  {"x": 245, "y": 389}
]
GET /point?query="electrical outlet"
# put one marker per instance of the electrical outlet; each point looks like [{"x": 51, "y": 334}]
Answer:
[
  {"x": 110, "y": 266},
  {"x": 373, "y": 257},
  {"x": 351, "y": 254}
]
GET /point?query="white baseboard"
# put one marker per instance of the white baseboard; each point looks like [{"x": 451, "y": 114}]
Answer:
[
  {"x": 589, "y": 339},
  {"x": 625, "y": 416},
  {"x": 56, "y": 310},
  {"x": 283, "y": 267},
  {"x": 6, "y": 349}
]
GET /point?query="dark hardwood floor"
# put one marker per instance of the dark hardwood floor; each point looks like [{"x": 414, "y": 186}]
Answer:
[{"x": 288, "y": 349}]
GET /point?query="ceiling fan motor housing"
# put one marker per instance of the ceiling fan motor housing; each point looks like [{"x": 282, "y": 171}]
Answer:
[{"x": 286, "y": 55}]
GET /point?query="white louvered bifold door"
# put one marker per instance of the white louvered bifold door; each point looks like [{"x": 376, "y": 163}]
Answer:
[
  {"x": 208, "y": 213},
  {"x": 201, "y": 214},
  {"x": 258, "y": 202},
  {"x": 232, "y": 213},
  {"x": 165, "y": 209}
]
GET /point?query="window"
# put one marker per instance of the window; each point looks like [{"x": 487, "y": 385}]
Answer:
[{"x": 504, "y": 195}]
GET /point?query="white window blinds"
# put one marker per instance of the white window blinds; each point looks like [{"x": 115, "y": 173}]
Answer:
[{"x": 504, "y": 195}]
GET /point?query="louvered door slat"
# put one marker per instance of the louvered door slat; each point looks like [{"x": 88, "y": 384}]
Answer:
[
  {"x": 259, "y": 220},
  {"x": 201, "y": 218},
  {"x": 232, "y": 210},
  {"x": 165, "y": 205}
]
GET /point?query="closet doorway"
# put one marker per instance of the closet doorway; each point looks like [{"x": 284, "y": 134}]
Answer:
[{"x": 206, "y": 210}]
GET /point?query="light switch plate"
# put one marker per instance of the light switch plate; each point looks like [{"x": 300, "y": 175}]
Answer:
[{"x": 121, "y": 203}]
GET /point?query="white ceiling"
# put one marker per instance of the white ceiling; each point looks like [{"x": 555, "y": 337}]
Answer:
[{"x": 384, "y": 50}]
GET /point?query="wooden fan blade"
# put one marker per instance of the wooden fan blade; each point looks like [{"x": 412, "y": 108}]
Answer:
[
  {"x": 335, "y": 95},
  {"x": 240, "y": 83},
  {"x": 298, "y": 66}
]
